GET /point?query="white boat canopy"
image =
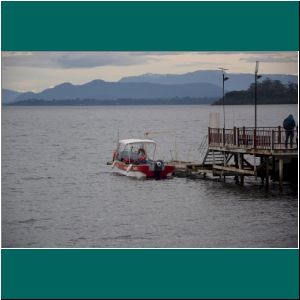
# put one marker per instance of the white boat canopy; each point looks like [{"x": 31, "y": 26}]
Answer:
[{"x": 136, "y": 141}]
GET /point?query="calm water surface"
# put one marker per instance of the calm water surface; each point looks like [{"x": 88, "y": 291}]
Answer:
[{"x": 57, "y": 190}]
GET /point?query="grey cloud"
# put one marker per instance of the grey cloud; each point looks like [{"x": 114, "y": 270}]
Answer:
[
  {"x": 91, "y": 60},
  {"x": 27, "y": 59},
  {"x": 68, "y": 60},
  {"x": 242, "y": 52},
  {"x": 271, "y": 58},
  {"x": 160, "y": 53},
  {"x": 199, "y": 64}
]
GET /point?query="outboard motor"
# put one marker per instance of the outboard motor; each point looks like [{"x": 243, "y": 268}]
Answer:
[{"x": 158, "y": 167}]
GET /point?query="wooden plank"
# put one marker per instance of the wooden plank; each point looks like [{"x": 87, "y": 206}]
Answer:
[
  {"x": 234, "y": 170},
  {"x": 280, "y": 173},
  {"x": 203, "y": 171},
  {"x": 275, "y": 152}
]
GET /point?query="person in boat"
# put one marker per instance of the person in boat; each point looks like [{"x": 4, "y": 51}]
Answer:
[
  {"x": 142, "y": 155},
  {"x": 289, "y": 126}
]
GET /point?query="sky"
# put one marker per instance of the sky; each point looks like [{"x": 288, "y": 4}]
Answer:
[{"x": 36, "y": 71}]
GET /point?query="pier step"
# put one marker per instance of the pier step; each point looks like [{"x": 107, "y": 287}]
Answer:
[
  {"x": 213, "y": 157},
  {"x": 221, "y": 162}
]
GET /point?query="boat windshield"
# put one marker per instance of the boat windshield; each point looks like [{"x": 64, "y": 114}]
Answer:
[{"x": 139, "y": 151}]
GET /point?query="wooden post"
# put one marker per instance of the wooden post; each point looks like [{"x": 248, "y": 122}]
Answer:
[
  {"x": 254, "y": 146},
  {"x": 262, "y": 177},
  {"x": 244, "y": 136},
  {"x": 234, "y": 135},
  {"x": 279, "y": 136},
  {"x": 236, "y": 163},
  {"x": 273, "y": 168},
  {"x": 223, "y": 136},
  {"x": 272, "y": 140},
  {"x": 267, "y": 172},
  {"x": 241, "y": 158},
  {"x": 208, "y": 135},
  {"x": 224, "y": 163},
  {"x": 280, "y": 173},
  {"x": 238, "y": 137}
]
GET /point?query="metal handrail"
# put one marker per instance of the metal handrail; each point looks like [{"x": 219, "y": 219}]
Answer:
[
  {"x": 268, "y": 138},
  {"x": 203, "y": 146}
]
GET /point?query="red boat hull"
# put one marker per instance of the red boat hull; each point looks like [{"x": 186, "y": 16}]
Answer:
[{"x": 142, "y": 170}]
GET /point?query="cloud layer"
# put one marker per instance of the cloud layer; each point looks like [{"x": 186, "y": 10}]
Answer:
[
  {"x": 67, "y": 60},
  {"x": 34, "y": 71}
]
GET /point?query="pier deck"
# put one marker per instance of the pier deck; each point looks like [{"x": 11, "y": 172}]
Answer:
[{"x": 245, "y": 151}]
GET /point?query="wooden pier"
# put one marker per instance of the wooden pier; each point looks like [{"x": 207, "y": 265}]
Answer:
[{"x": 239, "y": 152}]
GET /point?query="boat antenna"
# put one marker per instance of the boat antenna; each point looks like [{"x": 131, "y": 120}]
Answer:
[{"x": 118, "y": 138}]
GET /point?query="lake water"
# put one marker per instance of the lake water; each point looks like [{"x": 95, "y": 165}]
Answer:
[{"x": 57, "y": 190}]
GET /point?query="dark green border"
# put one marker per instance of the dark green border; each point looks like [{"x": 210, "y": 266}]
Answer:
[
  {"x": 211, "y": 274},
  {"x": 145, "y": 26}
]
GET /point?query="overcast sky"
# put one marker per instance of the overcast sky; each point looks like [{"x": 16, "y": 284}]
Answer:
[{"x": 36, "y": 71}]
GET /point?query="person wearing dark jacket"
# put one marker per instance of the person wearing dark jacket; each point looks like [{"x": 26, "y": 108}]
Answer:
[{"x": 289, "y": 126}]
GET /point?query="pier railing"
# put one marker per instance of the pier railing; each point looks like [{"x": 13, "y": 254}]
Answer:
[{"x": 261, "y": 138}]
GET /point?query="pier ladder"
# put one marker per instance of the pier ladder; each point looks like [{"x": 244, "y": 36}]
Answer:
[{"x": 208, "y": 156}]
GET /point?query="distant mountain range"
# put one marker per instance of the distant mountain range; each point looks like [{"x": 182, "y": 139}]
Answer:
[
  {"x": 197, "y": 85},
  {"x": 9, "y": 96},
  {"x": 101, "y": 90},
  {"x": 236, "y": 82}
]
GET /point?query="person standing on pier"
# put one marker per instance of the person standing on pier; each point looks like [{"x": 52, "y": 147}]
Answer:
[{"x": 289, "y": 126}]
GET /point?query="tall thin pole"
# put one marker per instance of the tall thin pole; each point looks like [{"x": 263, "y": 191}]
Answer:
[
  {"x": 223, "y": 98},
  {"x": 255, "y": 93},
  {"x": 256, "y": 76},
  {"x": 255, "y": 101},
  {"x": 223, "y": 103}
]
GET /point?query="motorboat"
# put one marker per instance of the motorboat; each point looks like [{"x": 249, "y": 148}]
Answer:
[{"x": 136, "y": 158}]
